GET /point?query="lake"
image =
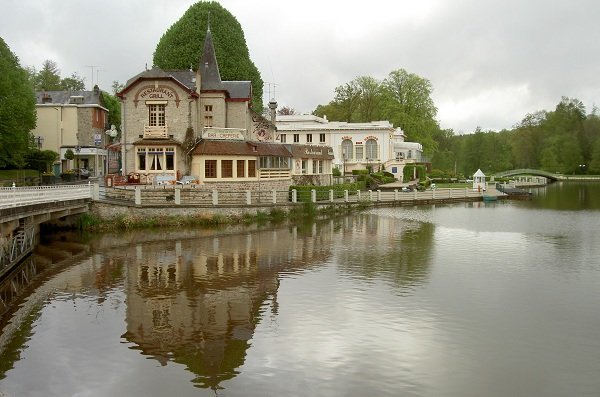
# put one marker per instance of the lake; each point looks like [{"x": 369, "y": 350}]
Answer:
[{"x": 472, "y": 299}]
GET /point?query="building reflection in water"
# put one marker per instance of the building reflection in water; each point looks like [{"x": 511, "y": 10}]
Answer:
[
  {"x": 197, "y": 302},
  {"x": 391, "y": 249}
]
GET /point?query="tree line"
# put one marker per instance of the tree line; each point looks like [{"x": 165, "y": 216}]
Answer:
[{"x": 564, "y": 140}]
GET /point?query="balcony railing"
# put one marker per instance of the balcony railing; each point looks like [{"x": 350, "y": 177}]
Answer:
[{"x": 156, "y": 132}]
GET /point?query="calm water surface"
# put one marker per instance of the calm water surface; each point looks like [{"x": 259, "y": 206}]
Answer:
[{"x": 474, "y": 299}]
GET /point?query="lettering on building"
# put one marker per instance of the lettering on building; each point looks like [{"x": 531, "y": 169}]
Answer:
[{"x": 154, "y": 93}]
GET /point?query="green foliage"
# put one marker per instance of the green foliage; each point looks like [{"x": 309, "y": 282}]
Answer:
[
  {"x": 336, "y": 171},
  {"x": 411, "y": 171},
  {"x": 73, "y": 83},
  {"x": 17, "y": 110},
  {"x": 69, "y": 155},
  {"x": 402, "y": 98},
  {"x": 41, "y": 160},
  {"x": 114, "y": 109},
  {"x": 564, "y": 140},
  {"x": 182, "y": 44}
]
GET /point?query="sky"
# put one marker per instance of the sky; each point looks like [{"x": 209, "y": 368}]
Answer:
[{"x": 490, "y": 62}]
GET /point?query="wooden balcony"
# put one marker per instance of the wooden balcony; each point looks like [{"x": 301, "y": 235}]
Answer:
[{"x": 156, "y": 132}]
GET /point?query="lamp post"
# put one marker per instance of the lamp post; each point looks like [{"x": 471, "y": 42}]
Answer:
[
  {"x": 77, "y": 150},
  {"x": 39, "y": 140},
  {"x": 582, "y": 168}
]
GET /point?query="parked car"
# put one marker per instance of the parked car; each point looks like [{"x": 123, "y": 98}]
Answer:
[
  {"x": 187, "y": 180},
  {"x": 84, "y": 173}
]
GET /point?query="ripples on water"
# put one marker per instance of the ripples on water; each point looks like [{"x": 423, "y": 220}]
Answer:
[{"x": 465, "y": 300}]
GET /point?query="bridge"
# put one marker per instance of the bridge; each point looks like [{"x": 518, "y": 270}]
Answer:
[
  {"x": 528, "y": 171},
  {"x": 550, "y": 175},
  {"x": 23, "y": 209}
]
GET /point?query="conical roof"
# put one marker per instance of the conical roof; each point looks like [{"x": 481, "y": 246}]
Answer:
[{"x": 209, "y": 68}]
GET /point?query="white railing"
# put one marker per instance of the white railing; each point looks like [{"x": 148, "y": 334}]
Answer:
[{"x": 21, "y": 196}]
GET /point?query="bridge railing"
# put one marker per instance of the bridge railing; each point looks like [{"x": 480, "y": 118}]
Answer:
[{"x": 21, "y": 196}]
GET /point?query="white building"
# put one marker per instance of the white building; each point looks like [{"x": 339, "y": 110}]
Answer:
[{"x": 356, "y": 146}]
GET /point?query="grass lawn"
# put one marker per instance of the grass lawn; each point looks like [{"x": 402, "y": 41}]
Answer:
[{"x": 7, "y": 177}]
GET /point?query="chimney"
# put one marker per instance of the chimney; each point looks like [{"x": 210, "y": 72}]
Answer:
[
  {"x": 96, "y": 89},
  {"x": 46, "y": 98},
  {"x": 273, "y": 108}
]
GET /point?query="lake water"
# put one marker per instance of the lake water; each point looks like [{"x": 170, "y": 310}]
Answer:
[{"x": 473, "y": 299}]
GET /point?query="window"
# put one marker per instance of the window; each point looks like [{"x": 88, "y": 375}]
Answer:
[
  {"x": 241, "y": 168},
  {"x": 346, "y": 150},
  {"x": 274, "y": 162},
  {"x": 296, "y": 138},
  {"x": 320, "y": 167},
  {"x": 314, "y": 166},
  {"x": 304, "y": 166},
  {"x": 309, "y": 138},
  {"x": 282, "y": 138},
  {"x": 371, "y": 149},
  {"x": 210, "y": 168},
  {"x": 156, "y": 115},
  {"x": 322, "y": 138},
  {"x": 208, "y": 121},
  {"x": 208, "y": 108},
  {"x": 155, "y": 159},
  {"x": 359, "y": 152},
  {"x": 226, "y": 168},
  {"x": 141, "y": 165},
  {"x": 251, "y": 168}
]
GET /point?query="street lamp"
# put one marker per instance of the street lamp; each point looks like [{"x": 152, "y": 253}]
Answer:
[
  {"x": 582, "y": 168},
  {"x": 77, "y": 150},
  {"x": 39, "y": 140}
]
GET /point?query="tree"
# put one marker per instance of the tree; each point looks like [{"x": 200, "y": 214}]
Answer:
[
  {"x": 114, "y": 109},
  {"x": 48, "y": 78},
  {"x": 182, "y": 44},
  {"x": 17, "y": 109},
  {"x": 117, "y": 87},
  {"x": 409, "y": 106},
  {"x": 73, "y": 83},
  {"x": 286, "y": 111},
  {"x": 402, "y": 98}
]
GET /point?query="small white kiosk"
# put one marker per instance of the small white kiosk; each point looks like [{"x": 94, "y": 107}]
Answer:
[{"x": 479, "y": 181}]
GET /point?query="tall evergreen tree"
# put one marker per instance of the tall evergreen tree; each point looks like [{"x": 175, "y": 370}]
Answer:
[
  {"x": 181, "y": 46},
  {"x": 17, "y": 109}
]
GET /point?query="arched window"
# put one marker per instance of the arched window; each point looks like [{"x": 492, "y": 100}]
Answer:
[
  {"x": 371, "y": 149},
  {"x": 347, "y": 149}
]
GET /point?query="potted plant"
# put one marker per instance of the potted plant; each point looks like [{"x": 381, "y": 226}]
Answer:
[
  {"x": 68, "y": 176},
  {"x": 48, "y": 178}
]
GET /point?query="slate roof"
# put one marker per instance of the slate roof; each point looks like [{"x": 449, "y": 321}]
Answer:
[
  {"x": 240, "y": 148},
  {"x": 210, "y": 77},
  {"x": 64, "y": 97}
]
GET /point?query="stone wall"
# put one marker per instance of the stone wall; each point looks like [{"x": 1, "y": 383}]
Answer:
[
  {"x": 109, "y": 211},
  {"x": 227, "y": 193}
]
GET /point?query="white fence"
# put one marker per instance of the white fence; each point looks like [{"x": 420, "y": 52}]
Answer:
[{"x": 21, "y": 196}]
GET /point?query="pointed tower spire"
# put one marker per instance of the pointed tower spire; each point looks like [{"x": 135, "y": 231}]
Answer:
[{"x": 209, "y": 68}]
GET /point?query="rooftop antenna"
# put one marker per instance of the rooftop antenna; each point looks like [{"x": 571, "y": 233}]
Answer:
[
  {"x": 92, "y": 66},
  {"x": 269, "y": 85}
]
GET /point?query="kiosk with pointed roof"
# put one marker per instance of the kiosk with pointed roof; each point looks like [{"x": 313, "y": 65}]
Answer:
[{"x": 479, "y": 181}]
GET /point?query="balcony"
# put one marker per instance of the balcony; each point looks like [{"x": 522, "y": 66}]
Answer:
[{"x": 156, "y": 132}]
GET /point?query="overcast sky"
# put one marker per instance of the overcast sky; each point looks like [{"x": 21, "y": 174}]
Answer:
[{"x": 490, "y": 61}]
